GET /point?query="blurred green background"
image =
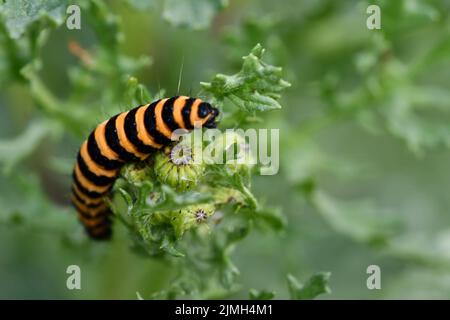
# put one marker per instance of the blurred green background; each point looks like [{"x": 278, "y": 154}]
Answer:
[{"x": 364, "y": 134}]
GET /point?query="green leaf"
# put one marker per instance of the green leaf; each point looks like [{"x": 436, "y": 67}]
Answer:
[
  {"x": 19, "y": 14},
  {"x": 127, "y": 198},
  {"x": 136, "y": 93},
  {"x": 359, "y": 219},
  {"x": 223, "y": 177},
  {"x": 419, "y": 116},
  {"x": 257, "y": 87},
  {"x": 168, "y": 246},
  {"x": 171, "y": 200},
  {"x": 194, "y": 14},
  {"x": 261, "y": 294},
  {"x": 24, "y": 203},
  {"x": 423, "y": 248},
  {"x": 76, "y": 119},
  {"x": 270, "y": 218},
  {"x": 14, "y": 150},
  {"x": 314, "y": 286}
]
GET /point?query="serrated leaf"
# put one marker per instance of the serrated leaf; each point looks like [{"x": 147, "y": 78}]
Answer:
[
  {"x": 18, "y": 14},
  {"x": 257, "y": 87},
  {"x": 313, "y": 287}
]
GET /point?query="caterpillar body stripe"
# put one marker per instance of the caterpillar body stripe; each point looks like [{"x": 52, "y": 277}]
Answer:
[{"x": 128, "y": 136}]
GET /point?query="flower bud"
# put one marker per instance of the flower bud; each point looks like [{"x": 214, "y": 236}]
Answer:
[
  {"x": 175, "y": 167},
  {"x": 191, "y": 217},
  {"x": 137, "y": 173}
]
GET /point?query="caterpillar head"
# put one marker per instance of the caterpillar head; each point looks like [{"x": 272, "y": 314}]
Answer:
[{"x": 208, "y": 115}]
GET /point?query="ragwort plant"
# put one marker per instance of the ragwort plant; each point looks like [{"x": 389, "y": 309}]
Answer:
[
  {"x": 174, "y": 207},
  {"x": 191, "y": 216}
]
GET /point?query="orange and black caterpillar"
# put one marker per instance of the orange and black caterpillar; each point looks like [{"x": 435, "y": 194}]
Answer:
[{"x": 128, "y": 136}]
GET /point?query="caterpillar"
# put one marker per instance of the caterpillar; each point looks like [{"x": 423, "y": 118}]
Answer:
[{"x": 127, "y": 137}]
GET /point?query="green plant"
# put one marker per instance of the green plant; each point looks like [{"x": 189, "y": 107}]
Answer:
[
  {"x": 189, "y": 216},
  {"x": 364, "y": 147},
  {"x": 215, "y": 203}
]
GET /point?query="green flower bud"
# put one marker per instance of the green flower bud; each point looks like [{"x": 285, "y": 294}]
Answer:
[
  {"x": 223, "y": 195},
  {"x": 137, "y": 173},
  {"x": 175, "y": 167},
  {"x": 191, "y": 217}
]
